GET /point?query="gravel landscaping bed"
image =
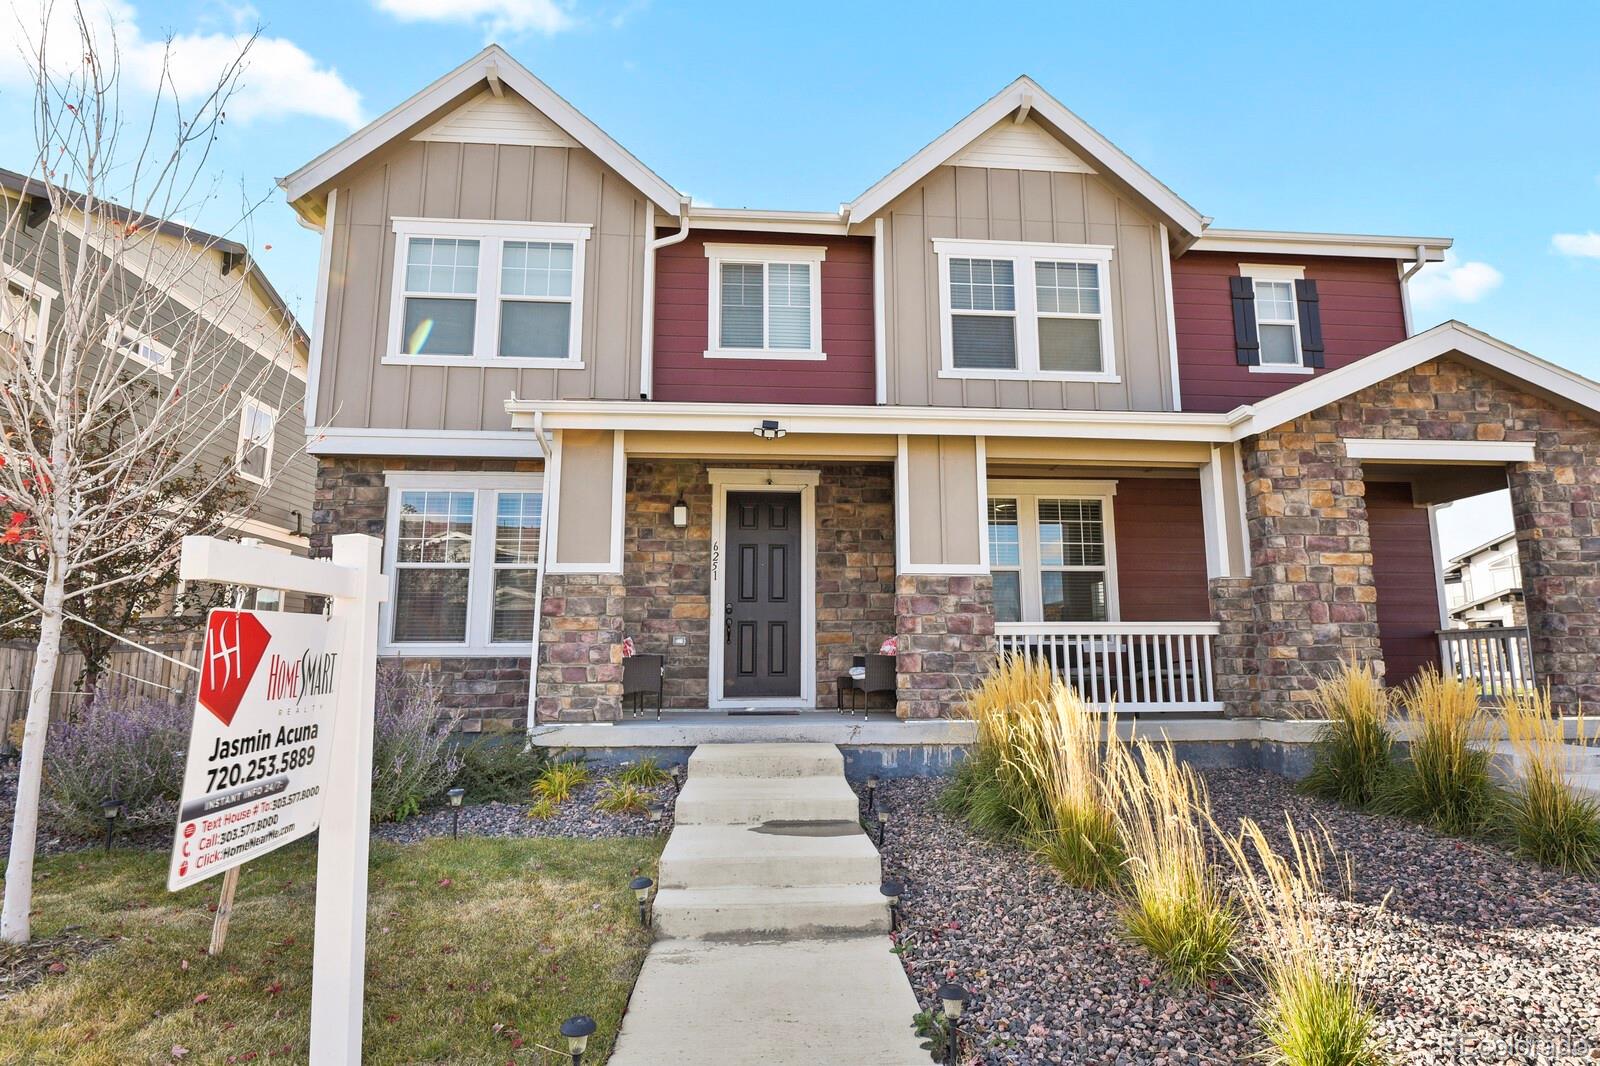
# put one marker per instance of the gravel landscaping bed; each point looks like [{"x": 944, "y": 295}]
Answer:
[
  {"x": 576, "y": 817},
  {"x": 1471, "y": 954}
]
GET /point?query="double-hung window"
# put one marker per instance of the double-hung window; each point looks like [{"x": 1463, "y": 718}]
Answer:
[
  {"x": 254, "y": 454},
  {"x": 1052, "y": 551},
  {"x": 463, "y": 555},
  {"x": 135, "y": 347},
  {"x": 1277, "y": 319},
  {"x": 487, "y": 293},
  {"x": 764, "y": 302},
  {"x": 1025, "y": 310},
  {"x": 24, "y": 311},
  {"x": 1277, "y": 324}
]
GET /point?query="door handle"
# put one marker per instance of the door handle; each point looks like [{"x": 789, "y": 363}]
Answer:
[{"x": 727, "y": 624}]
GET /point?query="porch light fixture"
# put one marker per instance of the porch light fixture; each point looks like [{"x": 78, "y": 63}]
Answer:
[
  {"x": 680, "y": 513},
  {"x": 892, "y": 891},
  {"x": 953, "y": 999},
  {"x": 641, "y": 892},
  {"x": 456, "y": 796},
  {"x": 578, "y": 1030},
  {"x": 110, "y": 810},
  {"x": 770, "y": 430}
]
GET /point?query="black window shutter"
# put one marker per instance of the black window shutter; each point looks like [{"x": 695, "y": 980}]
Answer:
[
  {"x": 1246, "y": 341},
  {"x": 1305, "y": 293}
]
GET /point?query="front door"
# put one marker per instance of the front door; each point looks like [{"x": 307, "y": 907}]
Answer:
[{"x": 761, "y": 610}]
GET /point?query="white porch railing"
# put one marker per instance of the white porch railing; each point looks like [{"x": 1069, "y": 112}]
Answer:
[
  {"x": 1498, "y": 658},
  {"x": 1140, "y": 667}
]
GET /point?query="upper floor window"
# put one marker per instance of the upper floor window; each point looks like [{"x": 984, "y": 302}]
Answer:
[
  {"x": 764, "y": 302},
  {"x": 1052, "y": 552},
  {"x": 135, "y": 347},
  {"x": 487, "y": 293},
  {"x": 24, "y": 309},
  {"x": 1276, "y": 319},
  {"x": 463, "y": 555},
  {"x": 1024, "y": 310},
  {"x": 254, "y": 454}
]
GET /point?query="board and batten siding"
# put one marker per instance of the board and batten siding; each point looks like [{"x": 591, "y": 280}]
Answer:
[
  {"x": 504, "y": 182},
  {"x": 1024, "y": 205},
  {"x": 682, "y": 371},
  {"x": 1361, "y": 313}
]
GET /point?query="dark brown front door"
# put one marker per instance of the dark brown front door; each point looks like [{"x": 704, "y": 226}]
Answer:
[{"x": 761, "y": 613}]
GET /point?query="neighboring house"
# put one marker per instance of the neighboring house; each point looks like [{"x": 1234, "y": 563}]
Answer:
[
  {"x": 221, "y": 281},
  {"x": 1483, "y": 587},
  {"x": 1018, "y": 395}
]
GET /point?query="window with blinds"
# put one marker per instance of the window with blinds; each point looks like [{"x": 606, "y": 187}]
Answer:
[
  {"x": 764, "y": 302},
  {"x": 1051, "y": 552}
]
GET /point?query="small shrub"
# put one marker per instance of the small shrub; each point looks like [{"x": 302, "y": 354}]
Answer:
[
  {"x": 1546, "y": 819},
  {"x": 646, "y": 773},
  {"x": 499, "y": 769},
  {"x": 559, "y": 779},
  {"x": 543, "y": 809},
  {"x": 934, "y": 1030},
  {"x": 1445, "y": 780},
  {"x": 122, "y": 744},
  {"x": 618, "y": 797},
  {"x": 412, "y": 760},
  {"x": 1354, "y": 753},
  {"x": 1058, "y": 759},
  {"x": 1310, "y": 1007},
  {"x": 1173, "y": 903}
]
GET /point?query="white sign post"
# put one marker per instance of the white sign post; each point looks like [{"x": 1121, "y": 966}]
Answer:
[{"x": 353, "y": 581}]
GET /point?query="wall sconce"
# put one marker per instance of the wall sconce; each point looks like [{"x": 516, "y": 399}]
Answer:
[
  {"x": 680, "y": 513},
  {"x": 770, "y": 430}
]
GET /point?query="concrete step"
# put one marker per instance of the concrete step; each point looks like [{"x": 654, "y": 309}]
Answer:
[
  {"x": 765, "y": 760},
  {"x": 752, "y": 801},
  {"x": 779, "y": 856},
  {"x": 811, "y": 910}
]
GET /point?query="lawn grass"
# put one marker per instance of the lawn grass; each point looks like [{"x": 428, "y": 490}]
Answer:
[{"x": 476, "y": 950}]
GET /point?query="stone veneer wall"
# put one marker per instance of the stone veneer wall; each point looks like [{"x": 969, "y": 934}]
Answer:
[
  {"x": 491, "y": 692},
  {"x": 1233, "y": 653},
  {"x": 580, "y": 648},
  {"x": 946, "y": 640},
  {"x": 1313, "y": 594}
]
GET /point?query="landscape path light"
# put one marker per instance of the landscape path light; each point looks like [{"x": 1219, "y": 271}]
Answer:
[
  {"x": 883, "y": 826},
  {"x": 953, "y": 999},
  {"x": 578, "y": 1029},
  {"x": 655, "y": 808},
  {"x": 641, "y": 892},
  {"x": 892, "y": 891},
  {"x": 456, "y": 796},
  {"x": 677, "y": 778},
  {"x": 872, "y": 793},
  {"x": 110, "y": 810}
]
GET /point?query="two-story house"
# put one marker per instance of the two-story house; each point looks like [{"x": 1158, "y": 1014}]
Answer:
[
  {"x": 1018, "y": 396},
  {"x": 1483, "y": 586}
]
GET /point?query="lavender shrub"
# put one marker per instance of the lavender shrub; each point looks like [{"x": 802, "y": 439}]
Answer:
[
  {"x": 123, "y": 745},
  {"x": 412, "y": 760}
]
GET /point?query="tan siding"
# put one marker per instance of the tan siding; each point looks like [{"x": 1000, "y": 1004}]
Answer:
[
  {"x": 942, "y": 496},
  {"x": 441, "y": 179},
  {"x": 999, "y": 204},
  {"x": 583, "y": 513}
]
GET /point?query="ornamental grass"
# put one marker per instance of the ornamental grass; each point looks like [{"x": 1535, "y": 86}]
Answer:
[
  {"x": 1355, "y": 751},
  {"x": 1545, "y": 818},
  {"x": 1445, "y": 780}
]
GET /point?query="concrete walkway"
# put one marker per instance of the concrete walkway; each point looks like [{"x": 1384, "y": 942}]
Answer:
[{"x": 771, "y": 931}]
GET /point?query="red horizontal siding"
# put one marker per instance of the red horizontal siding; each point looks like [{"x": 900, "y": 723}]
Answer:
[
  {"x": 1403, "y": 569},
  {"x": 1161, "y": 550},
  {"x": 682, "y": 372},
  {"x": 1361, "y": 314}
]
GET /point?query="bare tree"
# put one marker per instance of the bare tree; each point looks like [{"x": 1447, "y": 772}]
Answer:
[{"x": 93, "y": 438}]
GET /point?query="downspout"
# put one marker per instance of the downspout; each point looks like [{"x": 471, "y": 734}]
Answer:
[
  {"x": 1405, "y": 293},
  {"x": 880, "y": 351},
  {"x": 647, "y": 328},
  {"x": 538, "y": 572}
]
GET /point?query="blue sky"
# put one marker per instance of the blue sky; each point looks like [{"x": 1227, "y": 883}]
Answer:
[{"x": 1460, "y": 119}]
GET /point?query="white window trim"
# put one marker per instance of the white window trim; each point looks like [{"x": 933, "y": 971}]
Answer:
[
  {"x": 40, "y": 291},
  {"x": 1277, "y": 272},
  {"x": 763, "y": 255},
  {"x": 248, "y": 404},
  {"x": 490, "y": 236},
  {"x": 1024, "y": 254},
  {"x": 127, "y": 340},
  {"x": 480, "y": 569},
  {"x": 1027, "y": 493}
]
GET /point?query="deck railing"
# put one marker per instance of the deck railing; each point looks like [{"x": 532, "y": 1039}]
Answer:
[
  {"x": 1498, "y": 658},
  {"x": 1140, "y": 667}
]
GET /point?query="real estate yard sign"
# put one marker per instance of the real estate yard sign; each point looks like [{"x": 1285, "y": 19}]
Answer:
[{"x": 260, "y": 746}]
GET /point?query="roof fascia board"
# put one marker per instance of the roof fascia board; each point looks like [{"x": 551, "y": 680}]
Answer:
[
  {"x": 1085, "y": 138},
  {"x": 1442, "y": 340},
  {"x": 1360, "y": 245},
  {"x": 495, "y": 59}
]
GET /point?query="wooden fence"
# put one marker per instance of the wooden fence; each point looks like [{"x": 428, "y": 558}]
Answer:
[{"x": 143, "y": 672}]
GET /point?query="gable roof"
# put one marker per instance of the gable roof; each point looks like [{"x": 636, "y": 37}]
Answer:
[
  {"x": 1447, "y": 338},
  {"x": 1025, "y": 95},
  {"x": 495, "y": 67}
]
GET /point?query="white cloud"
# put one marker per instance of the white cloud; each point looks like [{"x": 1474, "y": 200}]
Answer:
[
  {"x": 1579, "y": 245},
  {"x": 495, "y": 16},
  {"x": 1453, "y": 282},
  {"x": 278, "y": 79}
]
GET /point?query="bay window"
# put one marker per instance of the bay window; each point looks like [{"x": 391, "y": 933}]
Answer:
[
  {"x": 463, "y": 554},
  {"x": 764, "y": 302},
  {"x": 1025, "y": 310},
  {"x": 469, "y": 293},
  {"x": 1052, "y": 551}
]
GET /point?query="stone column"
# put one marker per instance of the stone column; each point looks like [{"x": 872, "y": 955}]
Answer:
[
  {"x": 580, "y": 642},
  {"x": 1315, "y": 601},
  {"x": 1233, "y": 654},
  {"x": 946, "y": 633}
]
